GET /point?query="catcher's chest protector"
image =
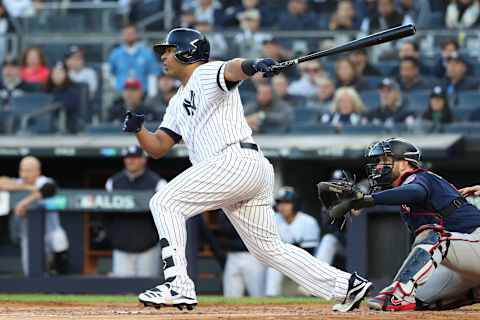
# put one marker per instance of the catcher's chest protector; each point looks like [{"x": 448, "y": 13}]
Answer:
[{"x": 444, "y": 206}]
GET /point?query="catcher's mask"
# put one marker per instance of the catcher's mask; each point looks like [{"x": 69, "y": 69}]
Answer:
[{"x": 381, "y": 176}]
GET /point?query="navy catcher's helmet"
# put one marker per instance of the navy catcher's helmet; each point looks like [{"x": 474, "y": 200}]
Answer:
[
  {"x": 191, "y": 45},
  {"x": 288, "y": 194},
  {"x": 397, "y": 149}
]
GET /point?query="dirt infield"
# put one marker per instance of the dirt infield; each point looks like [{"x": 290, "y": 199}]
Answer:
[{"x": 123, "y": 311}]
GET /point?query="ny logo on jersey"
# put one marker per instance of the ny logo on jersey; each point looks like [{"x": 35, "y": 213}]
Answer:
[{"x": 190, "y": 105}]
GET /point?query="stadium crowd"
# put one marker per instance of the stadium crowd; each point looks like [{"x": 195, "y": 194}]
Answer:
[{"x": 393, "y": 88}]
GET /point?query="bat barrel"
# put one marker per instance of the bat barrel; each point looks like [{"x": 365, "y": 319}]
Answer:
[{"x": 365, "y": 42}]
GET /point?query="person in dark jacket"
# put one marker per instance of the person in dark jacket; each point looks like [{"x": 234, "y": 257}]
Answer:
[
  {"x": 392, "y": 109},
  {"x": 438, "y": 110},
  {"x": 388, "y": 17},
  {"x": 132, "y": 99},
  {"x": 456, "y": 79},
  {"x": 11, "y": 84},
  {"x": 136, "y": 251},
  {"x": 409, "y": 77},
  {"x": 363, "y": 67},
  {"x": 67, "y": 95},
  {"x": 298, "y": 17}
]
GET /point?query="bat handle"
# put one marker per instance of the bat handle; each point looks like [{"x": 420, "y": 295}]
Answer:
[{"x": 284, "y": 65}]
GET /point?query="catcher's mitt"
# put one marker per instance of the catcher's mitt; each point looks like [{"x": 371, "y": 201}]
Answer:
[{"x": 341, "y": 196}]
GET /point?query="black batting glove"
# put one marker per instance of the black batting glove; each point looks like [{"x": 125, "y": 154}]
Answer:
[
  {"x": 264, "y": 65},
  {"x": 133, "y": 122}
]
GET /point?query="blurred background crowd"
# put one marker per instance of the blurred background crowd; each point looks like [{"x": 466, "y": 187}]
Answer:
[{"x": 84, "y": 78}]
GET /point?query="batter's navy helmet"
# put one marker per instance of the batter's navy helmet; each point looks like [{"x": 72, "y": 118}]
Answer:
[
  {"x": 191, "y": 45},
  {"x": 288, "y": 194}
]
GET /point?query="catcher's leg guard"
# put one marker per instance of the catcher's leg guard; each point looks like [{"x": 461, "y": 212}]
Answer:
[{"x": 429, "y": 249}]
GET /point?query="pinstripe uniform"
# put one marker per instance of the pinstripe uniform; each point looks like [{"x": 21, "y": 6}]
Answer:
[{"x": 228, "y": 172}]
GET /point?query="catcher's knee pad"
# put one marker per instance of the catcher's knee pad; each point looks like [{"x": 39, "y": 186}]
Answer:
[{"x": 428, "y": 251}]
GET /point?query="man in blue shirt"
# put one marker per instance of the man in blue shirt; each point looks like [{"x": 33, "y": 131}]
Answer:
[
  {"x": 442, "y": 270},
  {"x": 133, "y": 59}
]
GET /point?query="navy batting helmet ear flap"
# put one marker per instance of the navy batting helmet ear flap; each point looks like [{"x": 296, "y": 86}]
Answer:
[{"x": 190, "y": 45}]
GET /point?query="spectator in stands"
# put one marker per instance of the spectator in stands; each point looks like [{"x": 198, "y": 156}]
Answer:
[
  {"x": 392, "y": 109},
  {"x": 230, "y": 18},
  {"x": 298, "y": 17},
  {"x": 39, "y": 187},
  {"x": 136, "y": 251},
  {"x": 67, "y": 95},
  {"x": 410, "y": 78},
  {"x": 363, "y": 68},
  {"x": 449, "y": 47},
  {"x": 419, "y": 10},
  {"x": 268, "y": 113},
  {"x": 78, "y": 72},
  {"x": 295, "y": 227},
  {"x": 462, "y": 14},
  {"x": 280, "y": 89},
  {"x": 410, "y": 49},
  {"x": 187, "y": 17},
  {"x": 218, "y": 45},
  {"x": 325, "y": 92},
  {"x": 347, "y": 108},
  {"x": 34, "y": 67},
  {"x": 438, "y": 111},
  {"x": 133, "y": 60},
  {"x": 209, "y": 10},
  {"x": 388, "y": 17},
  {"x": 243, "y": 272},
  {"x": 11, "y": 84},
  {"x": 6, "y": 27},
  {"x": 167, "y": 87},
  {"x": 345, "y": 17},
  {"x": 305, "y": 86},
  {"x": 347, "y": 76},
  {"x": 456, "y": 79},
  {"x": 249, "y": 41},
  {"x": 133, "y": 100}
]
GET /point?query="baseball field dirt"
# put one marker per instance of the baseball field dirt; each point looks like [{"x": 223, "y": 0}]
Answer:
[{"x": 43, "y": 309}]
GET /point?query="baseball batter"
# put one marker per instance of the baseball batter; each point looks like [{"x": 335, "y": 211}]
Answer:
[
  {"x": 442, "y": 270},
  {"x": 229, "y": 171}
]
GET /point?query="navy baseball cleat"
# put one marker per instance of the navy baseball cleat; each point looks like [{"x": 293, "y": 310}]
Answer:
[
  {"x": 358, "y": 288},
  {"x": 165, "y": 296}
]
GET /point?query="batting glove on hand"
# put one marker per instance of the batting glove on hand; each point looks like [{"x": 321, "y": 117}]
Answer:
[
  {"x": 133, "y": 122},
  {"x": 265, "y": 65}
]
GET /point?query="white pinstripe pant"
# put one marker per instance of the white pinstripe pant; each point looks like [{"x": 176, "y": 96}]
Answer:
[{"x": 240, "y": 181}]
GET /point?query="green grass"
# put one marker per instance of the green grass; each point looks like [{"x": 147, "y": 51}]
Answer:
[{"x": 133, "y": 299}]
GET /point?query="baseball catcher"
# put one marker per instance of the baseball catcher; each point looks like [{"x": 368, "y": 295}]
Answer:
[{"x": 442, "y": 270}]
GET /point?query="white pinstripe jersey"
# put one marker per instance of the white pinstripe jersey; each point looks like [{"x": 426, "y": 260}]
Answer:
[{"x": 205, "y": 114}]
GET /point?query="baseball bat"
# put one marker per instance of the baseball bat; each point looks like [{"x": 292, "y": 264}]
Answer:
[{"x": 367, "y": 41}]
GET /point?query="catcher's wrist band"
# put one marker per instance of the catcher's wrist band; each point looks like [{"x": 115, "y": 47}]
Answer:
[{"x": 247, "y": 67}]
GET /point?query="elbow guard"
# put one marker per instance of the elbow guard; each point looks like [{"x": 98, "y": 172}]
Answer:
[{"x": 49, "y": 189}]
